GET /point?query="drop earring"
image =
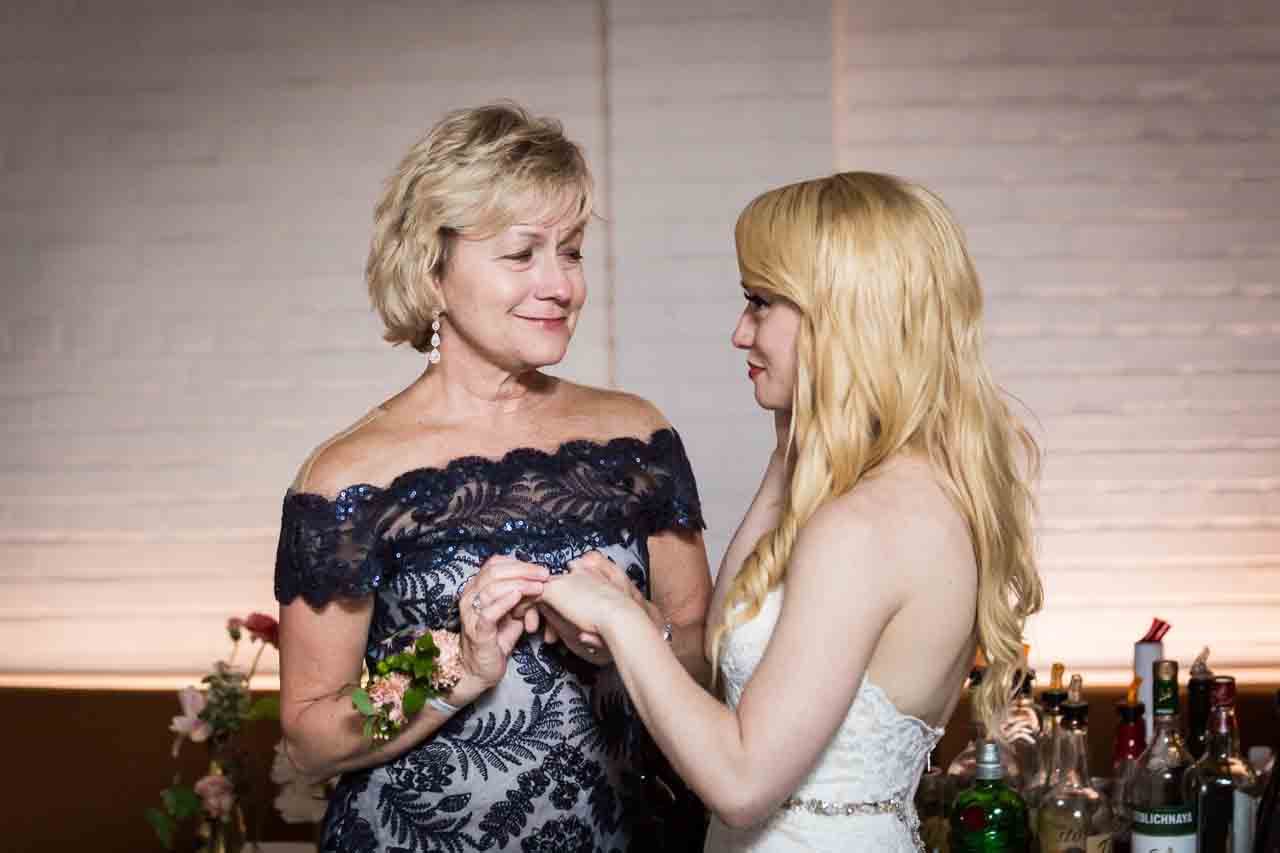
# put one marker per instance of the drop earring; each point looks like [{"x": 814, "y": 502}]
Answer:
[{"x": 434, "y": 356}]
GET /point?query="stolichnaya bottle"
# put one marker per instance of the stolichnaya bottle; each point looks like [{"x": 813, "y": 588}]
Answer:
[
  {"x": 989, "y": 816},
  {"x": 1074, "y": 816},
  {"x": 1221, "y": 787},
  {"x": 1163, "y": 821}
]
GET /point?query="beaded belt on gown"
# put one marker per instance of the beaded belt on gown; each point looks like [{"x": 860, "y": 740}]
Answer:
[{"x": 896, "y": 806}]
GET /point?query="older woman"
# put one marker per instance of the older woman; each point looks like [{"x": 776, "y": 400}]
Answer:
[{"x": 451, "y": 504}]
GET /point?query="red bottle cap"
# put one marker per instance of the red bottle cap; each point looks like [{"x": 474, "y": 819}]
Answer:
[{"x": 1224, "y": 690}]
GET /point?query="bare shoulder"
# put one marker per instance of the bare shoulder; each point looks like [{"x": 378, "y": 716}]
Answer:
[
  {"x": 617, "y": 412},
  {"x": 355, "y": 455},
  {"x": 898, "y": 522}
]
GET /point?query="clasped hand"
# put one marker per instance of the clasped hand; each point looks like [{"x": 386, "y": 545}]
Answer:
[{"x": 508, "y": 597}]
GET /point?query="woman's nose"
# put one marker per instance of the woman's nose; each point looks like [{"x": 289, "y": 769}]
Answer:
[
  {"x": 744, "y": 334},
  {"x": 555, "y": 282}
]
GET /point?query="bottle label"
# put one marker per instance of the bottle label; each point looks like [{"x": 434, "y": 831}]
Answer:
[
  {"x": 1057, "y": 836},
  {"x": 1163, "y": 844},
  {"x": 1244, "y": 814},
  {"x": 1164, "y": 830}
]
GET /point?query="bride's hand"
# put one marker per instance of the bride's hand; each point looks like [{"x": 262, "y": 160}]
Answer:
[{"x": 590, "y": 593}]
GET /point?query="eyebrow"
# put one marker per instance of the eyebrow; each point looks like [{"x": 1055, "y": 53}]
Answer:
[{"x": 537, "y": 233}]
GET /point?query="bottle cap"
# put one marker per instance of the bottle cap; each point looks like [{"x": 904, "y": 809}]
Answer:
[
  {"x": 1165, "y": 689},
  {"x": 1028, "y": 680},
  {"x": 1224, "y": 690},
  {"x": 988, "y": 764},
  {"x": 1200, "y": 666},
  {"x": 1131, "y": 712}
]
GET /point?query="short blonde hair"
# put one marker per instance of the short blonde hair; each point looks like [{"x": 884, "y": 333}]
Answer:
[{"x": 476, "y": 172}]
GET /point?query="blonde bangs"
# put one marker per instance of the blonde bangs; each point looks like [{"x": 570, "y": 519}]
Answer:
[{"x": 477, "y": 172}]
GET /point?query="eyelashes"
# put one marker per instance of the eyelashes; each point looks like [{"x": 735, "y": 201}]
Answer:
[{"x": 573, "y": 255}]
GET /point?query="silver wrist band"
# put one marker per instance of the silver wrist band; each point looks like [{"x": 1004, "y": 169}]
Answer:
[{"x": 442, "y": 706}]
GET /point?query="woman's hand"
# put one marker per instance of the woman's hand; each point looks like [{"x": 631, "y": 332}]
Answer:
[
  {"x": 491, "y": 626},
  {"x": 593, "y": 590}
]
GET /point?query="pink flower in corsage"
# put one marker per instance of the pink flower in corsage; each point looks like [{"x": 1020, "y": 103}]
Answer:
[
  {"x": 448, "y": 671},
  {"x": 401, "y": 683},
  {"x": 189, "y": 725},
  {"x": 387, "y": 695},
  {"x": 217, "y": 795}
]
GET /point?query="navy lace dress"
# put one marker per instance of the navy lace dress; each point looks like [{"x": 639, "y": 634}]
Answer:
[{"x": 545, "y": 761}]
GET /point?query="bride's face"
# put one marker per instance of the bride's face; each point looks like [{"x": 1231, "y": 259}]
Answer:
[{"x": 767, "y": 331}]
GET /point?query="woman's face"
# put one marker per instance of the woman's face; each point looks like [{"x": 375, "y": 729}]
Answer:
[
  {"x": 767, "y": 331},
  {"x": 514, "y": 298}
]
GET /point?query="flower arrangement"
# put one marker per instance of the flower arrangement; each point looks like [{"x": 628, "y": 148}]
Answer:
[
  {"x": 428, "y": 664},
  {"x": 215, "y": 715}
]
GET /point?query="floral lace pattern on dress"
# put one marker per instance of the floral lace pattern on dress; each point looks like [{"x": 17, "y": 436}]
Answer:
[{"x": 543, "y": 761}]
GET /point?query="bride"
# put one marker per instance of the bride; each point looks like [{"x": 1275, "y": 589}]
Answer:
[{"x": 891, "y": 535}]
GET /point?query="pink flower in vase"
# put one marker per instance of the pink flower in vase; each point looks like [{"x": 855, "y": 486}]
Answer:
[
  {"x": 189, "y": 725},
  {"x": 263, "y": 627},
  {"x": 389, "y": 690},
  {"x": 216, "y": 794}
]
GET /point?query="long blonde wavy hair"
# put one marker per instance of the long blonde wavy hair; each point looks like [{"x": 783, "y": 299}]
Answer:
[{"x": 890, "y": 358}]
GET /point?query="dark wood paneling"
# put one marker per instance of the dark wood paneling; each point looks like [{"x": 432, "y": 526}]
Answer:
[{"x": 86, "y": 764}]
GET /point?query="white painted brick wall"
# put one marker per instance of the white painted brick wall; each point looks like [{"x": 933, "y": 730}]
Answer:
[
  {"x": 711, "y": 104},
  {"x": 186, "y": 194},
  {"x": 1117, "y": 167}
]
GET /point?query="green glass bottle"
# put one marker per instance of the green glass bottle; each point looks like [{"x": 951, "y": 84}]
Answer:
[{"x": 989, "y": 816}]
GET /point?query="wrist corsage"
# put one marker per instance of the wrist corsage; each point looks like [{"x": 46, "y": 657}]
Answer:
[{"x": 428, "y": 665}]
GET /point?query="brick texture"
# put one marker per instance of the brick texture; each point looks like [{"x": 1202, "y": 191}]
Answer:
[{"x": 1116, "y": 168}]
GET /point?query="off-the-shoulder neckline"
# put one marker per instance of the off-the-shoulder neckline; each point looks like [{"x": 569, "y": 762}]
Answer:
[{"x": 566, "y": 448}]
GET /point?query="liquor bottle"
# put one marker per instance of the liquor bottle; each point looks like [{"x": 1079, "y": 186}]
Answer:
[
  {"x": 1267, "y": 839},
  {"x": 1221, "y": 787},
  {"x": 1074, "y": 816},
  {"x": 1163, "y": 821},
  {"x": 1022, "y": 727},
  {"x": 1035, "y": 787},
  {"x": 932, "y": 801},
  {"x": 963, "y": 768},
  {"x": 1199, "y": 687},
  {"x": 989, "y": 816},
  {"x": 1130, "y": 742}
]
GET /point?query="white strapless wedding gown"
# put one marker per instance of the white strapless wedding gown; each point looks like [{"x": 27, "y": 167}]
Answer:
[{"x": 870, "y": 769}]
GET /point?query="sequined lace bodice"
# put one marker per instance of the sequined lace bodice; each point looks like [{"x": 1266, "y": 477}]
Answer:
[
  {"x": 877, "y": 754},
  {"x": 541, "y": 762}
]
